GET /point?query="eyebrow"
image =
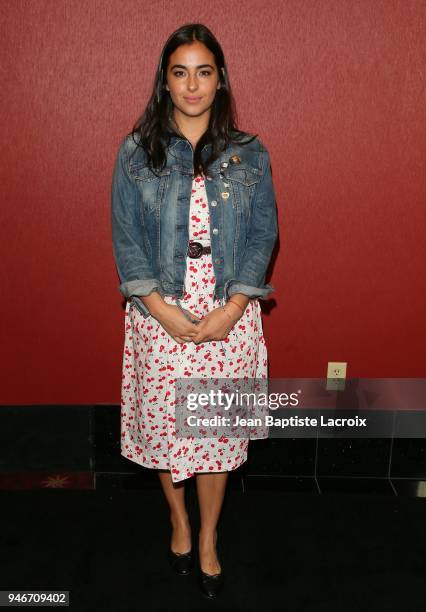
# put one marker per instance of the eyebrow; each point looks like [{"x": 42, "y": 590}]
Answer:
[{"x": 200, "y": 66}]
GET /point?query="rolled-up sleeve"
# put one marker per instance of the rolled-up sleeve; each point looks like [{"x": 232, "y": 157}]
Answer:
[
  {"x": 261, "y": 238},
  {"x": 132, "y": 252}
]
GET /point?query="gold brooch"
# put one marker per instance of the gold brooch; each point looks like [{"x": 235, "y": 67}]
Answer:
[{"x": 235, "y": 159}]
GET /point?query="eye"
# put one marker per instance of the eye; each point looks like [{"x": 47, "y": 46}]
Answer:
[
  {"x": 178, "y": 72},
  {"x": 206, "y": 72}
]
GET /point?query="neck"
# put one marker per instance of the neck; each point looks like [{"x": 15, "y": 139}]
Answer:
[{"x": 191, "y": 127}]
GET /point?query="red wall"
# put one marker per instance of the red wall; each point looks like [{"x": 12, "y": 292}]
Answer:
[{"x": 334, "y": 89}]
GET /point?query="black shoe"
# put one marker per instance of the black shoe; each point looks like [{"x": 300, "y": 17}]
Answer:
[
  {"x": 182, "y": 563},
  {"x": 211, "y": 584}
]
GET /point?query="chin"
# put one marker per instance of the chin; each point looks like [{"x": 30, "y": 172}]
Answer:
[{"x": 192, "y": 111}]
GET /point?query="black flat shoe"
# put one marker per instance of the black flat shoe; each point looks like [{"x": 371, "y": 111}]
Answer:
[
  {"x": 182, "y": 563},
  {"x": 211, "y": 584}
]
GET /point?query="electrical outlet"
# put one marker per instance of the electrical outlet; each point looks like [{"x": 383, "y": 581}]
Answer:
[
  {"x": 336, "y": 375},
  {"x": 336, "y": 369}
]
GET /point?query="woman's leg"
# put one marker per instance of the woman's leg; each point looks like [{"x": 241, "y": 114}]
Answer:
[
  {"x": 210, "y": 491},
  {"x": 175, "y": 495}
]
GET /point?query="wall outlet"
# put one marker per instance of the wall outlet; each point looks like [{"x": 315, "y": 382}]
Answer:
[
  {"x": 336, "y": 369},
  {"x": 336, "y": 376}
]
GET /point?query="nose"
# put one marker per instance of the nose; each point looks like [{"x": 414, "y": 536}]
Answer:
[{"x": 192, "y": 82}]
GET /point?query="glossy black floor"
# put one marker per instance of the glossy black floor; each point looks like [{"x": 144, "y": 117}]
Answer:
[
  {"x": 280, "y": 551},
  {"x": 307, "y": 525}
]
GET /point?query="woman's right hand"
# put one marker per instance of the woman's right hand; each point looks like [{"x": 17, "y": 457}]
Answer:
[{"x": 172, "y": 319}]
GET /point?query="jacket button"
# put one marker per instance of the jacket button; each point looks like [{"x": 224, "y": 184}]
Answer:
[
  {"x": 215, "y": 230},
  {"x": 217, "y": 261},
  {"x": 213, "y": 202}
]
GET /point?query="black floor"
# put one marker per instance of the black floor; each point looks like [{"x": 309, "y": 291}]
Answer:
[
  {"x": 279, "y": 551},
  {"x": 307, "y": 525}
]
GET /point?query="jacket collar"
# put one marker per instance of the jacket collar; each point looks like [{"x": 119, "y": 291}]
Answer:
[
  {"x": 181, "y": 143},
  {"x": 181, "y": 149}
]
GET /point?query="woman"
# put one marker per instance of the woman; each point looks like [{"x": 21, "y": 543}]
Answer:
[{"x": 194, "y": 224}]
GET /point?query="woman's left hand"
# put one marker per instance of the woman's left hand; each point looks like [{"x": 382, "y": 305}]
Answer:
[{"x": 215, "y": 325}]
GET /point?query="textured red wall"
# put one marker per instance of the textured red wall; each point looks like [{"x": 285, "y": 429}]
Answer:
[{"x": 334, "y": 88}]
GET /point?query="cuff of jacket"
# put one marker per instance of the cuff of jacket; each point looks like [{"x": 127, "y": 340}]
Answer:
[
  {"x": 252, "y": 292},
  {"x": 135, "y": 288}
]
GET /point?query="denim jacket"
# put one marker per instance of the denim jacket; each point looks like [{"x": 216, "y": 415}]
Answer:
[{"x": 150, "y": 220}]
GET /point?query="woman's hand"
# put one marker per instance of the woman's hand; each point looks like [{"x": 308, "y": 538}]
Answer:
[
  {"x": 217, "y": 324},
  {"x": 172, "y": 319}
]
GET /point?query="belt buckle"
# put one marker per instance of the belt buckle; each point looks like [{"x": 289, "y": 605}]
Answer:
[{"x": 195, "y": 250}]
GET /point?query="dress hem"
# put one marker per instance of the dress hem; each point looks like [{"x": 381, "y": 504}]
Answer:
[{"x": 168, "y": 469}]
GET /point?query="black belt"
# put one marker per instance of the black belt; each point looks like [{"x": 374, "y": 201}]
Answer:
[{"x": 196, "y": 249}]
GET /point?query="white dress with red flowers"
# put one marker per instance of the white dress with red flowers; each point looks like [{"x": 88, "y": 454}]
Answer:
[{"x": 152, "y": 360}]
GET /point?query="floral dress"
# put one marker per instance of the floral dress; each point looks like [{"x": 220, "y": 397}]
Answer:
[{"x": 152, "y": 361}]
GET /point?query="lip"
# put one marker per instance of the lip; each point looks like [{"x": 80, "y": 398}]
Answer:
[{"x": 192, "y": 100}]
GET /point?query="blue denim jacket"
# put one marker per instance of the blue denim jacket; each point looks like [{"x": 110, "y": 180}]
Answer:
[{"x": 150, "y": 220}]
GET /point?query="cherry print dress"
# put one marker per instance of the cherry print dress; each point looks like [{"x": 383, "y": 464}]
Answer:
[{"x": 152, "y": 361}]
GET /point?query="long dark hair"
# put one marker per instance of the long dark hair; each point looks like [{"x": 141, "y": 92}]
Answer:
[{"x": 154, "y": 128}]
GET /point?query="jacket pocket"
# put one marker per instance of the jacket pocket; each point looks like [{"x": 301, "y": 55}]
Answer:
[
  {"x": 242, "y": 180},
  {"x": 243, "y": 175},
  {"x": 151, "y": 185}
]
